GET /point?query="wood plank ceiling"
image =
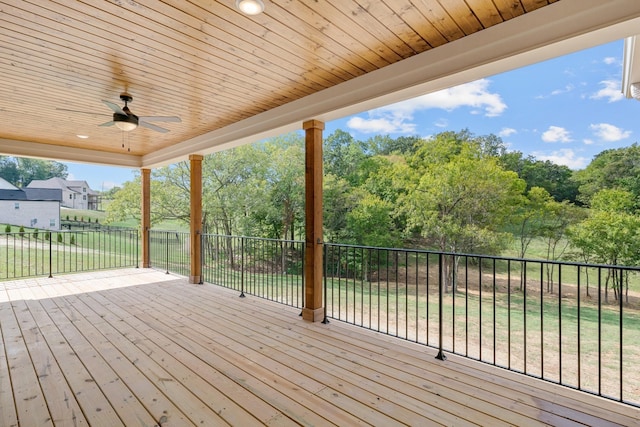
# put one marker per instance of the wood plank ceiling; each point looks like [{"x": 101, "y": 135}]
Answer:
[{"x": 201, "y": 60}]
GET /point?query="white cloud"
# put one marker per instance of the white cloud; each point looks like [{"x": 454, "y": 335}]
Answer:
[
  {"x": 566, "y": 157},
  {"x": 610, "y": 60},
  {"x": 381, "y": 125},
  {"x": 588, "y": 141},
  {"x": 611, "y": 91},
  {"x": 556, "y": 134},
  {"x": 507, "y": 132},
  {"x": 609, "y": 133},
  {"x": 397, "y": 118},
  {"x": 441, "y": 123}
]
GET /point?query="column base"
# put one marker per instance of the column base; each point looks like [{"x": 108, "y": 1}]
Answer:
[
  {"x": 194, "y": 280},
  {"x": 313, "y": 315}
]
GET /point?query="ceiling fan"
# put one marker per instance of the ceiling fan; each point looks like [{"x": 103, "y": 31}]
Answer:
[{"x": 124, "y": 119}]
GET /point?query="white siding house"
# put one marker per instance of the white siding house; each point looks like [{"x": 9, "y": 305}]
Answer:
[
  {"x": 30, "y": 207},
  {"x": 75, "y": 194}
]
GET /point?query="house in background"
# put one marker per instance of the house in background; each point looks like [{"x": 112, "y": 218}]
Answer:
[
  {"x": 75, "y": 194},
  {"x": 30, "y": 207}
]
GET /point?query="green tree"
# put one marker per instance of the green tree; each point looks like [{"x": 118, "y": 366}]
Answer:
[
  {"x": 459, "y": 199},
  {"x": 557, "y": 180},
  {"x": 21, "y": 171},
  {"x": 615, "y": 168},
  {"x": 342, "y": 155},
  {"x": 611, "y": 235}
]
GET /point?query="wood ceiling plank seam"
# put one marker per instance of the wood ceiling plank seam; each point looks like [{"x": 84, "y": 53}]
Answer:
[
  {"x": 16, "y": 30},
  {"x": 359, "y": 13},
  {"x": 509, "y": 9},
  {"x": 96, "y": 118},
  {"x": 63, "y": 92},
  {"x": 334, "y": 29},
  {"x": 531, "y": 5},
  {"x": 91, "y": 68},
  {"x": 305, "y": 41},
  {"x": 244, "y": 61},
  {"x": 228, "y": 73},
  {"x": 338, "y": 18},
  {"x": 390, "y": 19},
  {"x": 195, "y": 28},
  {"x": 295, "y": 73},
  {"x": 414, "y": 18},
  {"x": 486, "y": 12},
  {"x": 295, "y": 21},
  {"x": 60, "y": 75},
  {"x": 176, "y": 57},
  {"x": 460, "y": 12},
  {"x": 53, "y": 76},
  {"x": 439, "y": 18}
]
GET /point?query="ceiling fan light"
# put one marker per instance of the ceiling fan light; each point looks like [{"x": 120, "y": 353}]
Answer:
[
  {"x": 126, "y": 126},
  {"x": 250, "y": 7}
]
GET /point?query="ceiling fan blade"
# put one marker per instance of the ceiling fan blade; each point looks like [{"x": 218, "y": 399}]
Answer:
[
  {"x": 116, "y": 108},
  {"x": 173, "y": 119},
  {"x": 152, "y": 127},
  {"x": 111, "y": 123}
]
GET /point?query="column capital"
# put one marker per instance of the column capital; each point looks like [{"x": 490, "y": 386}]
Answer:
[{"x": 313, "y": 124}]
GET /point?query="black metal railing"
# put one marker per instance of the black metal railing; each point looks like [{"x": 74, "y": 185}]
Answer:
[
  {"x": 267, "y": 268},
  {"x": 45, "y": 253},
  {"x": 573, "y": 324},
  {"x": 170, "y": 251}
]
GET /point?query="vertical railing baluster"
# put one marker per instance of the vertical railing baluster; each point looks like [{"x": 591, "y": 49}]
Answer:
[
  {"x": 242, "y": 267},
  {"x": 440, "y": 355}
]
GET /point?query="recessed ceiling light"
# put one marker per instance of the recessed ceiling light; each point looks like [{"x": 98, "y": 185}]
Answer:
[
  {"x": 250, "y": 7},
  {"x": 83, "y": 136}
]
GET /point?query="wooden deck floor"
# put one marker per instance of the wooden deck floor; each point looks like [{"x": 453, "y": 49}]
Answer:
[{"x": 141, "y": 348}]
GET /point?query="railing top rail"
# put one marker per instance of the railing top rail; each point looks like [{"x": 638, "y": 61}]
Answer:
[{"x": 490, "y": 257}]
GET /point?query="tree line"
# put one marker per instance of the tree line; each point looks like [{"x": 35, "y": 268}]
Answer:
[{"x": 454, "y": 192}]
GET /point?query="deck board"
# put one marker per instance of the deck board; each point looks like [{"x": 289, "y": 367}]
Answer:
[{"x": 138, "y": 347}]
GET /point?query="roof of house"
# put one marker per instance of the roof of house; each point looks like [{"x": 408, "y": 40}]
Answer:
[
  {"x": 5, "y": 185},
  {"x": 32, "y": 194},
  {"x": 60, "y": 183}
]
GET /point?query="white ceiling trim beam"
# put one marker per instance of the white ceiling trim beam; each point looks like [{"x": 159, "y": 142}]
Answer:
[
  {"x": 631, "y": 65},
  {"x": 12, "y": 147},
  {"x": 560, "y": 28}
]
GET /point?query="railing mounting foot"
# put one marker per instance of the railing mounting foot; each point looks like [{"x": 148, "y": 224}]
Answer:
[
  {"x": 242, "y": 295},
  {"x": 325, "y": 321},
  {"x": 441, "y": 356}
]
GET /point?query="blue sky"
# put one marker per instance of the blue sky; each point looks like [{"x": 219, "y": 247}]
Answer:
[{"x": 565, "y": 110}]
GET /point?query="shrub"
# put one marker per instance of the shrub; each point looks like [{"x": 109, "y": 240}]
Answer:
[
  {"x": 75, "y": 217},
  {"x": 67, "y": 217},
  {"x": 7, "y": 229},
  {"x": 60, "y": 238},
  {"x": 47, "y": 235},
  {"x": 73, "y": 240},
  {"x": 21, "y": 231},
  {"x": 35, "y": 234}
]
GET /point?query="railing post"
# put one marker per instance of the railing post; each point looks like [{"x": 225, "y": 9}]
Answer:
[
  {"x": 324, "y": 287},
  {"x": 166, "y": 238},
  {"x": 242, "y": 267},
  {"x": 441, "y": 355},
  {"x": 50, "y": 255}
]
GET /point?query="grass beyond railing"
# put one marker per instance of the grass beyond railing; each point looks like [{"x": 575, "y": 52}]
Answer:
[
  {"x": 45, "y": 253},
  {"x": 573, "y": 324}
]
